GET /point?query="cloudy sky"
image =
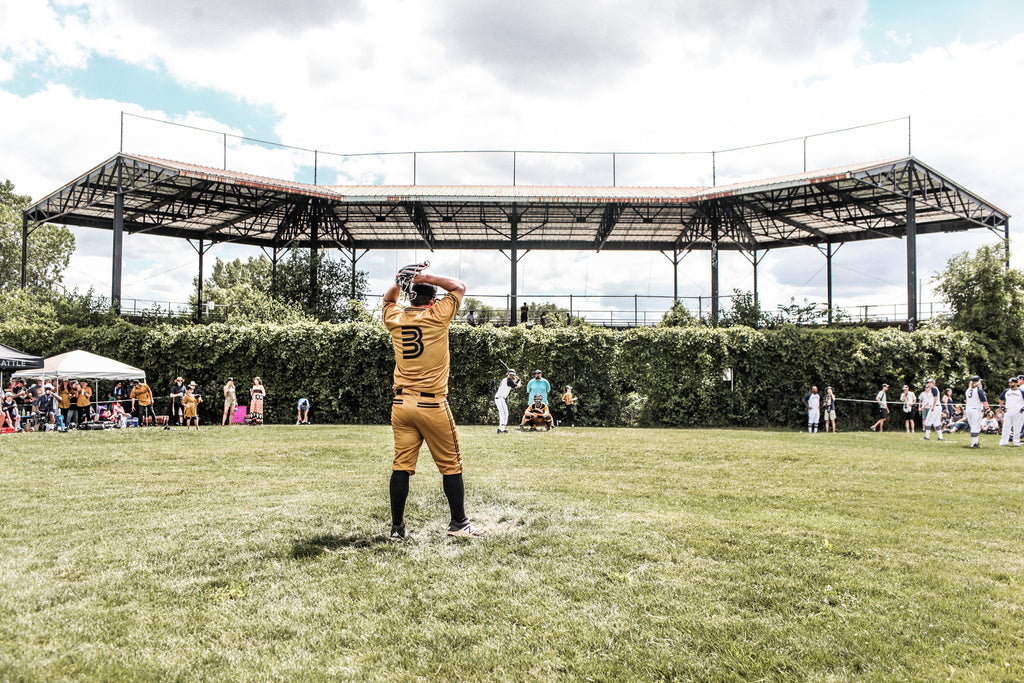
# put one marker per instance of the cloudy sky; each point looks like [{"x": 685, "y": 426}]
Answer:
[{"x": 346, "y": 76}]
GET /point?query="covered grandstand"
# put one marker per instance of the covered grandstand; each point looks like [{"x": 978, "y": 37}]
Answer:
[{"x": 893, "y": 199}]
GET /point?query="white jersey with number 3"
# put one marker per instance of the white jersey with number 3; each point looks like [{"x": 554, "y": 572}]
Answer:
[{"x": 975, "y": 399}]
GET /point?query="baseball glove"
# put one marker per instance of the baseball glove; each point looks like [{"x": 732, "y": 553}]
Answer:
[{"x": 407, "y": 274}]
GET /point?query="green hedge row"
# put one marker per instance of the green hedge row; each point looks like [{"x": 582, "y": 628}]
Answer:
[{"x": 648, "y": 376}]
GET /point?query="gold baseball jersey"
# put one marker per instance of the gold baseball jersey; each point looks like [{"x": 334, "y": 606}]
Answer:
[{"x": 420, "y": 338}]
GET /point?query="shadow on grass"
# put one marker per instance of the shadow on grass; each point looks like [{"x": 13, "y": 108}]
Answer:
[{"x": 303, "y": 548}]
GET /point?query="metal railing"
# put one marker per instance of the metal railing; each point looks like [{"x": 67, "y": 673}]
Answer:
[{"x": 612, "y": 310}]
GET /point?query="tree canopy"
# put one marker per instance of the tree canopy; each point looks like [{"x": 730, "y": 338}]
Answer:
[
  {"x": 252, "y": 287},
  {"x": 984, "y": 295},
  {"x": 49, "y": 246}
]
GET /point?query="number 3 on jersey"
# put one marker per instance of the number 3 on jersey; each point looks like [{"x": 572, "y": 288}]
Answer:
[{"x": 412, "y": 342}]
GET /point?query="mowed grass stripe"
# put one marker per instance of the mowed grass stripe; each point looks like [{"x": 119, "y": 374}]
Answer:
[{"x": 259, "y": 553}]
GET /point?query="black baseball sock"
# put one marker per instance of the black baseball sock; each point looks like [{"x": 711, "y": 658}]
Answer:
[
  {"x": 399, "y": 492},
  {"x": 455, "y": 491}
]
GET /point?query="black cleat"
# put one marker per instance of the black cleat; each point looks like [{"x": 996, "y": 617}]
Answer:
[
  {"x": 464, "y": 530},
  {"x": 398, "y": 532}
]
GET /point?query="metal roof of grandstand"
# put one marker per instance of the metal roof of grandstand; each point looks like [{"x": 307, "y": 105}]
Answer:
[{"x": 842, "y": 204}]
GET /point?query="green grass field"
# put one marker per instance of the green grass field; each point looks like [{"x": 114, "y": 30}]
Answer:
[{"x": 614, "y": 554}]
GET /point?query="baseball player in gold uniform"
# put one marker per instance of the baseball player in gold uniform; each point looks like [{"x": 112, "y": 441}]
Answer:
[{"x": 420, "y": 410}]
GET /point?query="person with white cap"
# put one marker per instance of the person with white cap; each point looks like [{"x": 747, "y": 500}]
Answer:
[
  {"x": 1012, "y": 403},
  {"x": 883, "y": 409},
  {"x": 975, "y": 405},
  {"x": 505, "y": 387},
  {"x": 932, "y": 410}
]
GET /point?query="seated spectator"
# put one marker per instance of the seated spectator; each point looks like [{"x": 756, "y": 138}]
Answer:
[
  {"x": 957, "y": 422},
  {"x": 117, "y": 415},
  {"x": 989, "y": 424},
  {"x": 46, "y": 406},
  {"x": 10, "y": 409}
]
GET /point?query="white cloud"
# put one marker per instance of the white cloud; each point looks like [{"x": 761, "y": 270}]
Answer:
[{"x": 651, "y": 75}]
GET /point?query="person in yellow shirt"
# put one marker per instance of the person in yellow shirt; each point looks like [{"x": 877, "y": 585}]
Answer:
[
  {"x": 420, "y": 410},
  {"x": 142, "y": 401},
  {"x": 64, "y": 402},
  {"x": 537, "y": 415},
  {"x": 83, "y": 402},
  {"x": 570, "y": 407},
  {"x": 190, "y": 404}
]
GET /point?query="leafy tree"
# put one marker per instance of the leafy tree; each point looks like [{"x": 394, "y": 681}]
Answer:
[
  {"x": 484, "y": 313},
  {"x": 747, "y": 311},
  {"x": 679, "y": 316},
  {"x": 984, "y": 295},
  {"x": 231, "y": 281},
  {"x": 49, "y": 246}
]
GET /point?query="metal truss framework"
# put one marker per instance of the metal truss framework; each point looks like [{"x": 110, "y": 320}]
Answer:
[{"x": 899, "y": 198}]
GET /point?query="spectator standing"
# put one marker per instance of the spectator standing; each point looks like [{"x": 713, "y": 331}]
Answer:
[
  {"x": 524, "y": 314},
  {"x": 177, "y": 393},
  {"x": 539, "y": 385},
  {"x": 471, "y": 318},
  {"x": 84, "y": 401},
  {"x": 909, "y": 398},
  {"x": 256, "y": 396},
  {"x": 142, "y": 401},
  {"x": 505, "y": 387},
  {"x": 190, "y": 405},
  {"x": 1012, "y": 402},
  {"x": 948, "y": 407},
  {"x": 812, "y": 403},
  {"x": 830, "y": 409},
  {"x": 230, "y": 400},
  {"x": 882, "y": 404},
  {"x": 302, "y": 418},
  {"x": 64, "y": 402}
]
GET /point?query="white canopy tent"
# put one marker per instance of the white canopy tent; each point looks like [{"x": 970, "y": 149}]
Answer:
[{"x": 81, "y": 365}]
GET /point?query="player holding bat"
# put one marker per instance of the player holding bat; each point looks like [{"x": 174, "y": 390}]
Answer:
[{"x": 420, "y": 408}]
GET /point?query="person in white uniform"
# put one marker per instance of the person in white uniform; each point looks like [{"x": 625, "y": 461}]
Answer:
[
  {"x": 812, "y": 402},
  {"x": 1012, "y": 403},
  {"x": 975, "y": 405},
  {"x": 931, "y": 408},
  {"x": 505, "y": 388}
]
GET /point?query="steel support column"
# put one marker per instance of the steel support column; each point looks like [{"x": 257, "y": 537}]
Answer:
[
  {"x": 675, "y": 276},
  {"x": 273, "y": 273},
  {"x": 911, "y": 263},
  {"x": 24, "y": 250},
  {"x": 514, "y": 260},
  {"x": 828, "y": 278},
  {"x": 1006, "y": 242},
  {"x": 314, "y": 254},
  {"x": 716, "y": 222},
  {"x": 199, "y": 304},
  {"x": 117, "y": 256},
  {"x": 753, "y": 262}
]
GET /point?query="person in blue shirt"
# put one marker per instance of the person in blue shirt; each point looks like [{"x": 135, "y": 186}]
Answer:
[{"x": 538, "y": 385}]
